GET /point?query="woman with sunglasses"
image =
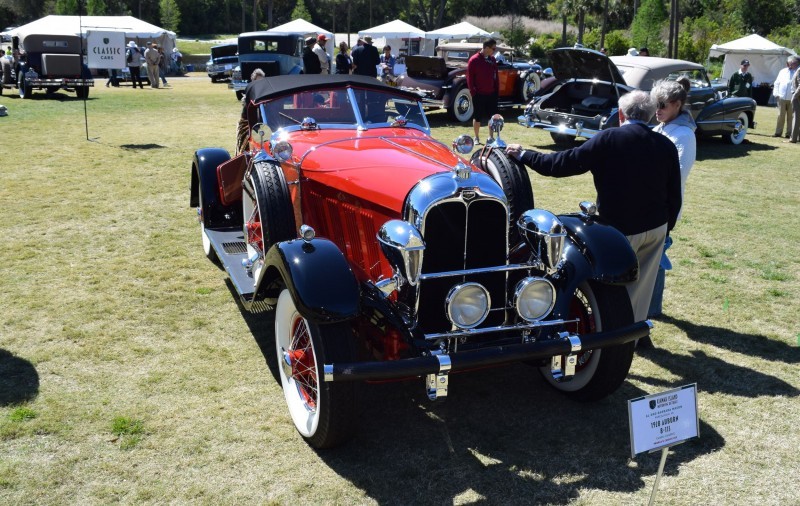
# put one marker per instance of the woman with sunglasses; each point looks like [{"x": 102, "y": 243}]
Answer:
[{"x": 677, "y": 124}]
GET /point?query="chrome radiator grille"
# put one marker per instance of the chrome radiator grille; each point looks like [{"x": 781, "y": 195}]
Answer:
[{"x": 462, "y": 235}]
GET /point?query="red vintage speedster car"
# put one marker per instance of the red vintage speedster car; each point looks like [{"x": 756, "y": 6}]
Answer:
[{"x": 385, "y": 255}]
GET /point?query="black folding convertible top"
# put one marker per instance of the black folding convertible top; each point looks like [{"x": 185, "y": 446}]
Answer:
[{"x": 270, "y": 87}]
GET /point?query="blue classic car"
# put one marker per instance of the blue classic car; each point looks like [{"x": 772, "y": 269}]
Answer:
[
  {"x": 222, "y": 62},
  {"x": 584, "y": 101},
  {"x": 276, "y": 54}
]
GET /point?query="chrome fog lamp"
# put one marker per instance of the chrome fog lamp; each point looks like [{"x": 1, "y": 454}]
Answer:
[
  {"x": 282, "y": 151},
  {"x": 402, "y": 245},
  {"x": 534, "y": 298},
  {"x": 467, "y": 305},
  {"x": 545, "y": 234},
  {"x": 463, "y": 144}
]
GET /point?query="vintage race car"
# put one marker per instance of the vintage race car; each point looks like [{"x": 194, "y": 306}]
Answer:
[
  {"x": 441, "y": 80},
  {"x": 385, "y": 255},
  {"x": 584, "y": 102},
  {"x": 222, "y": 61}
]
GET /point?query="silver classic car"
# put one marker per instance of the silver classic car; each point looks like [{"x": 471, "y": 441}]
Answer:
[{"x": 585, "y": 100}]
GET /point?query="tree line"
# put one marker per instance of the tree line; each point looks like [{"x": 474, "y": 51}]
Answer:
[{"x": 677, "y": 28}]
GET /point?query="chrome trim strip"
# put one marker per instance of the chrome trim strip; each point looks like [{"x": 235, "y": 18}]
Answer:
[
  {"x": 488, "y": 330},
  {"x": 482, "y": 270}
]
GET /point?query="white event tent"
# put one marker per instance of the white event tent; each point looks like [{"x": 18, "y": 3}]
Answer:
[
  {"x": 766, "y": 58},
  {"x": 405, "y": 39},
  {"x": 307, "y": 29},
  {"x": 135, "y": 29},
  {"x": 463, "y": 30}
]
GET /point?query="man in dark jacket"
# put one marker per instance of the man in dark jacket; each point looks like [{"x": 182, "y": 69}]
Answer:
[
  {"x": 638, "y": 181},
  {"x": 483, "y": 85},
  {"x": 311, "y": 64},
  {"x": 366, "y": 59},
  {"x": 741, "y": 83},
  {"x": 133, "y": 57}
]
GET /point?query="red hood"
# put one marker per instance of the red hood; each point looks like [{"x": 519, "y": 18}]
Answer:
[{"x": 378, "y": 166}]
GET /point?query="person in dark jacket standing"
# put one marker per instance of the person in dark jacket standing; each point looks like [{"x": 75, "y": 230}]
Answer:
[
  {"x": 343, "y": 61},
  {"x": 483, "y": 85},
  {"x": 638, "y": 181},
  {"x": 311, "y": 64},
  {"x": 741, "y": 83},
  {"x": 366, "y": 59}
]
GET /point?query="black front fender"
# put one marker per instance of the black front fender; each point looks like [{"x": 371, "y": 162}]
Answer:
[
  {"x": 593, "y": 251},
  {"x": 318, "y": 277},
  {"x": 204, "y": 179},
  {"x": 607, "y": 251}
]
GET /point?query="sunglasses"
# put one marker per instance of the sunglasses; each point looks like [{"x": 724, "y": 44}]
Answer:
[{"x": 662, "y": 105}]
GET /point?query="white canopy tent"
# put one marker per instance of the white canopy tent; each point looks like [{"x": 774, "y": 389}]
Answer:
[
  {"x": 135, "y": 29},
  {"x": 459, "y": 31},
  {"x": 404, "y": 39},
  {"x": 766, "y": 58},
  {"x": 307, "y": 29}
]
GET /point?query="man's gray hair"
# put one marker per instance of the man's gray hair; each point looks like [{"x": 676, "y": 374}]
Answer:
[
  {"x": 793, "y": 58},
  {"x": 257, "y": 74},
  {"x": 637, "y": 105}
]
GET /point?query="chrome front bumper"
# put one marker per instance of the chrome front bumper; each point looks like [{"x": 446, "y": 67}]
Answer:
[{"x": 564, "y": 344}]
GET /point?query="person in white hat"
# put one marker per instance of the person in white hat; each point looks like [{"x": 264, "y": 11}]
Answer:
[{"x": 133, "y": 57}]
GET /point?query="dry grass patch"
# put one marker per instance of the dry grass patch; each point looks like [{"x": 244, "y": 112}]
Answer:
[{"x": 115, "y": 328}]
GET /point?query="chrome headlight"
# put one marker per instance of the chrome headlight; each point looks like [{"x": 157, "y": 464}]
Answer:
[
  {"x": 463, "y": 144},
  {"x": 467, "y": 305},
  {"x": 545, "y": 234},
  {"x": 534, "y": 298},
  {"x": 282, "y": 151},
  {"x": 402, "y": 245}
]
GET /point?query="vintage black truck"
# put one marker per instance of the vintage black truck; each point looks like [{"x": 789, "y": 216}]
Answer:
[{"x": 52, "y": 62}]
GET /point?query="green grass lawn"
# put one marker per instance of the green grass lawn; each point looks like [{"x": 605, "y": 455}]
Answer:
[{"x": 128, "y": 373}]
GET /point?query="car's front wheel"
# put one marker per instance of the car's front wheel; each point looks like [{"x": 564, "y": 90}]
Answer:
[
  {"x": 599, "y": 372},
  {"x": 461, "y": 107},
  {"x": 739, "y": 130},
  {"x": 324, "y": 413}
]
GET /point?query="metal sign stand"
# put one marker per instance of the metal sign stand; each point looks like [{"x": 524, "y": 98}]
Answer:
[{"x": 664, "y": 452}]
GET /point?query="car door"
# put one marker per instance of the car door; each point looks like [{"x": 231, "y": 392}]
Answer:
[{"x": 701, "y": 94}]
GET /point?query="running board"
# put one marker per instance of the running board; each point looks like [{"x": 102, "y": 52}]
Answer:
[{"x": 231, "y": 249}]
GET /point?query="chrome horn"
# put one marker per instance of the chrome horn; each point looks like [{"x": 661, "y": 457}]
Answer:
[
  {"x": 545, "y": 234},
  {"x": 403, "y": 246}
]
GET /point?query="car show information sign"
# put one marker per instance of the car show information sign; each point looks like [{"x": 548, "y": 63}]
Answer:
[
  {"x": 105, "y": 49},
  {"x": 664, "y": 419}
]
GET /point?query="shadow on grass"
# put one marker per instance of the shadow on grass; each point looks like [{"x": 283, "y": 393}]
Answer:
[
  {"x": 19, "y": 381},
  {"x": 136, "y": 147},
  {"x": 716, "y": 148},
  {"x": 747, "y": 344},
  {"x": 502, "y": 434}
]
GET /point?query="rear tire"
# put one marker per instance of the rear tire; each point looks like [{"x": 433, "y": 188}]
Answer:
[
  {"x": 462, "y": 108},
  {"x": 513, "y": 177},
  {"x": 324, "y": 413},
  {"x": 24, "y": 92},
  {"x": 600, "y": 372},
  {"x": 740, "y": 130},
  {"x": 82, "y": 92},
  {"x": 529, "y": 87}
]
